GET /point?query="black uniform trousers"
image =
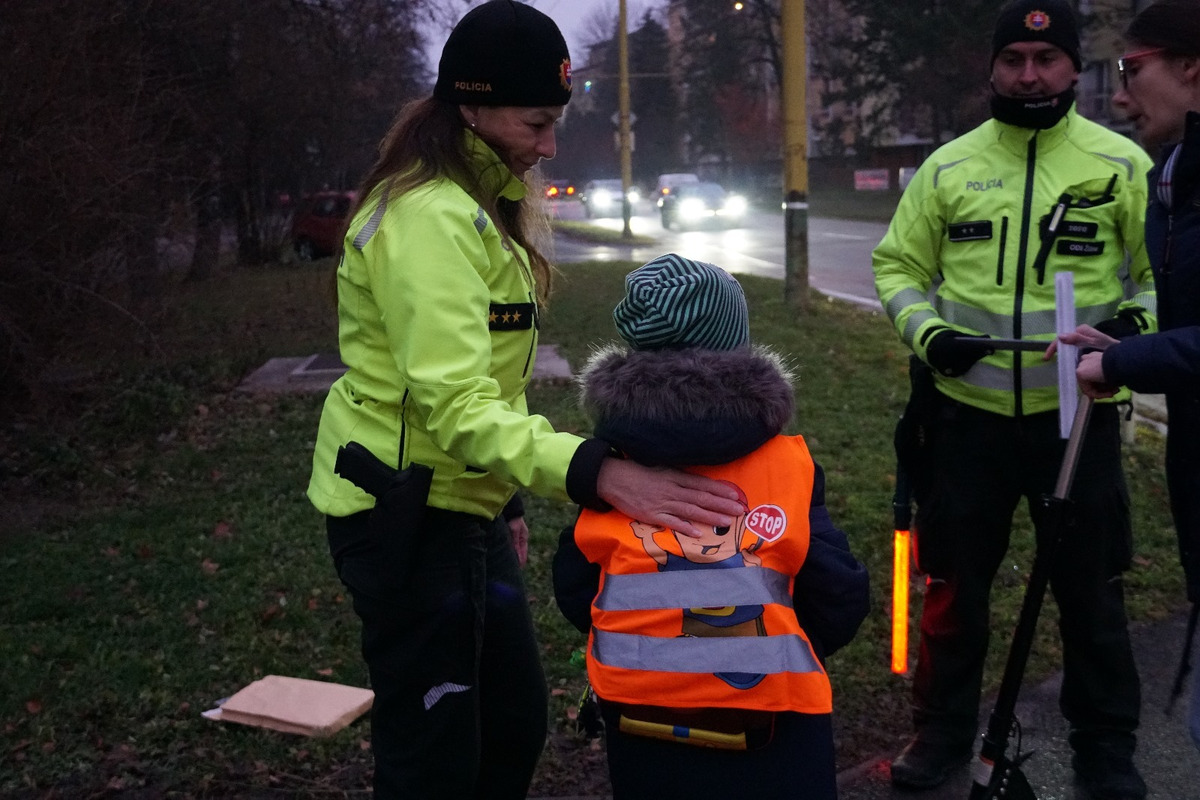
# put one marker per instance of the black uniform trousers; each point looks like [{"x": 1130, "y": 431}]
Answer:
[
  {"x": 983, "y": 464},
  {"x": 460, "y": 705}
]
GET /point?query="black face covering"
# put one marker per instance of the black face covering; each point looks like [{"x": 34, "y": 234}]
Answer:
[{"x": 1038, "y": 113}]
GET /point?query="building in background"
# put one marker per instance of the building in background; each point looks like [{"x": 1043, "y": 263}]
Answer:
[{"x": 705, "y": 78}]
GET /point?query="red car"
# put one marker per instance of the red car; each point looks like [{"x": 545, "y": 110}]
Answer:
[
  {"x": 317, "y": 227},
  {"x": 560, "y": 190}
]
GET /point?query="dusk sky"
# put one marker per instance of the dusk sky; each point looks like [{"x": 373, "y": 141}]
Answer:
[{"x": 573, "y": 18}]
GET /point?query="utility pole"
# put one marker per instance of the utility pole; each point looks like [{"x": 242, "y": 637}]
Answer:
[
  {"x": 795, "y": 154},
  {"x": 623, "y": 136}
]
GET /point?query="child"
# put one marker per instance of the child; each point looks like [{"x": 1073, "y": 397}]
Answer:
[{"x": 706, "y": 653}]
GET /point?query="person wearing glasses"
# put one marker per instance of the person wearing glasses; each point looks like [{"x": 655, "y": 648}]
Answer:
[
  {"x": 990, "y": 218},
  {"x": 1160, "y": 94}
]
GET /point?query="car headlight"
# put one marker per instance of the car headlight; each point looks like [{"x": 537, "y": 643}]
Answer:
[
  {"x": 603, "y": 198},
  {"x": 735, "y": 205},
  {"x": 633, "y": 196},
  {"x": 692, "y": 208}
]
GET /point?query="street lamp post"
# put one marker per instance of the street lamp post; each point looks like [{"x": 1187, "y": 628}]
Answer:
[
  {"x": 795, "y": 155},
  {"x": 623, "y": 123}
]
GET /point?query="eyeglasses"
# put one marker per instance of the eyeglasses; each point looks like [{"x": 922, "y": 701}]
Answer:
[{"x": 1124, "y": 61}]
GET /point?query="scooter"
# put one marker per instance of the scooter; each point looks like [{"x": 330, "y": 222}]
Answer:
[{"x": 994, "y": 775}]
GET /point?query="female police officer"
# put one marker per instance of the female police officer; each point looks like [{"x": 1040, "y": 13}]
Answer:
[{"x": 439, "y": 290}]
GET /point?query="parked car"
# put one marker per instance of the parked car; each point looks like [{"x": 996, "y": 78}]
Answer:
[
  {"x": 693, "y": 205},
  {"x": 560, "y": 190},
  {"x": 602, "y": 198},
  {"x": 317, "y": 226},
  {"x": 670, "y": 179}
]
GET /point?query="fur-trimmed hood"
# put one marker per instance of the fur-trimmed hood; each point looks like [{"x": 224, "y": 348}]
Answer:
[{"x": 690, "y": 406}]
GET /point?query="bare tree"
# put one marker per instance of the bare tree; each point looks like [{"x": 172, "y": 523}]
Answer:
[
  {"x": 156, "y": 120},
  {"x": 732, "y": 54},
  {"x": 587, "y": 145},
  {"x": 918, "y": 66}
]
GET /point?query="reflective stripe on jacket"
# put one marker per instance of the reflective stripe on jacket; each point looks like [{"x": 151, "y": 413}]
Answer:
[
  {"x": 973, "y": 219},
  {"x": 709, "y": 622}
]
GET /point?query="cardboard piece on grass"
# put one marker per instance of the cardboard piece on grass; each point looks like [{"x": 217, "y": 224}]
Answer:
[{"x": 295, "y": 705}]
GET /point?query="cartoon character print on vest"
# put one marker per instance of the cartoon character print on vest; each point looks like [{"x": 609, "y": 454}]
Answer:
[{"x": 717, "y": 548}]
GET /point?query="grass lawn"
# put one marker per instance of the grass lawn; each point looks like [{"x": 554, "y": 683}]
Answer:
[
  {"x": 851, "y": 204},
  {"x": 588, "y": 232},
  {"x": 157, "y": 551}
]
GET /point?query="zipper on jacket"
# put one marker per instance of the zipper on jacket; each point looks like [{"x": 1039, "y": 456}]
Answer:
[
  {"x": 1163, "y": 279},
  {"x": 1018, "y": 298},
  {"x": 1000, "y": 260},
  {"x": 1166, "y": 258},
  {"x": 403, "y": 403}
]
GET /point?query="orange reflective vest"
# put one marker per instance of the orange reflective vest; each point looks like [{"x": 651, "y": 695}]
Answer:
[{"x": 709, "y": 622}]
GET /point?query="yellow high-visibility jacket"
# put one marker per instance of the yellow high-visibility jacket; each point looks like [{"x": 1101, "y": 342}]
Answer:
[
  {"x": 972, "y": 221},
  {"x": 437, "y": 323}
]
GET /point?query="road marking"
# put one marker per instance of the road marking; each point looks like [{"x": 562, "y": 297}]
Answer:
[
  {"x": 866, "y": 302},
  {"x": 850, "y": 237}
]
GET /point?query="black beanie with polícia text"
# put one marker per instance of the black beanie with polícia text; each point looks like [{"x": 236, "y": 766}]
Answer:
[{"x": 505, "y": 53}]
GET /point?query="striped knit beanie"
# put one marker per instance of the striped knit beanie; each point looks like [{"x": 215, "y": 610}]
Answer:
[{"x": 674, "y": 302}]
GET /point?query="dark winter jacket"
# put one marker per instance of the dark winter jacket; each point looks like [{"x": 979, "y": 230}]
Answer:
[
  {"x": 1169, "y": 362},
  {"x": 691, "y": 407}
]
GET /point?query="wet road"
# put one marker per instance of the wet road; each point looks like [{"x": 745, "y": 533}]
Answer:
[{"x": 839, "y": 250}]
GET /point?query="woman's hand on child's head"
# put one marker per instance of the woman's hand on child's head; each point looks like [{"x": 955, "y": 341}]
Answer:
[{"x": 666, "y": 497}]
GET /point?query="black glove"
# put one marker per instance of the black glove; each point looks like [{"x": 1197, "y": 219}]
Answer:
[
  {"x": 514, "y": 508},
  {"x": 1122, "y": 326},
  {"x": 949, "y": 353}
]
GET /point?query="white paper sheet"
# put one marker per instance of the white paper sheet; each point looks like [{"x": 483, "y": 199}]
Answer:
[{"x": 1068, "y": 354}]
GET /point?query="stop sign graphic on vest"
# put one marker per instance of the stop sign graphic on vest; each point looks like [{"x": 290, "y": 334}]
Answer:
[{"x": 767, "y": 522}]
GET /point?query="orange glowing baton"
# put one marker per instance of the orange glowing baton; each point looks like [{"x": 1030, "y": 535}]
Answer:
[
  {"x": 900, "y": 603},
  {"x": 902, "y": 510}
]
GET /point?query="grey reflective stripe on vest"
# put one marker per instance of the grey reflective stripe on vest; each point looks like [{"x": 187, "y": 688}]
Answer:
[
  {"x": 903, "y": 299},
  {"x": 913, "y": 324},
  {"x": 481, "y": 220},
  {"x": 686, "y": 589},
  {"x": 1148, "y": 301},
  {"x": 941, "y": 167},
  {"x": 1124, "y": 162},
  {"x": 763, "y": 655},
  {"x": 1090, "y": 315},
  {"x": 1033, "y": 323},
  {"x": 368, "y": 230},
  {"x": 990, "y": 376}
]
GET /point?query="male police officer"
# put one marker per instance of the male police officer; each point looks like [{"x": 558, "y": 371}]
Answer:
[{"x": 980, "y": 215}]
